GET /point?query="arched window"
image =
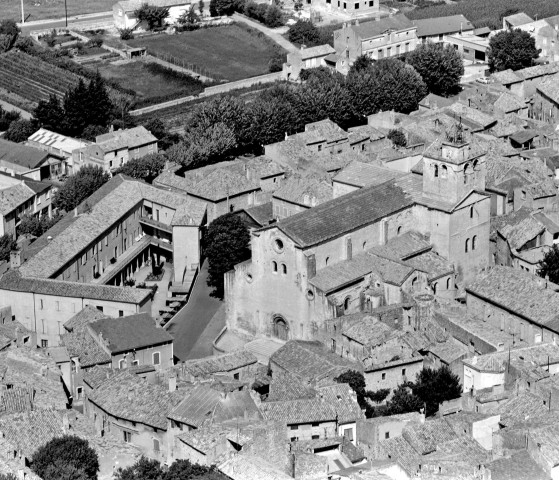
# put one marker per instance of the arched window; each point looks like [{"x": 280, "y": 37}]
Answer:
[
  {"x": 474, "y": 242},
  {"x": 467, "y": 245},
  {"x": 399, "y": 229},
  {"x": 275, "y": 267},
  {"x": 435, "y": 285},
  {"x": 346, "y": 304},
  {"x": 466, "y": 173},
  {"x": 444, "y": 171},
  {"x": 436, "y": 170},
  {"x": 284, "y": 268},
  {"x": 364, "y": 245},
  {"x": 280, "y": 327},
  {"x": 326, "y": 261},
  {"x": 475, "y": 164},
  {"x": 448, "y": 283},
  {"x": 472, "y": 211}
]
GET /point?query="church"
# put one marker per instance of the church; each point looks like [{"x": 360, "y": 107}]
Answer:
[{"x": 372, "y": 247}]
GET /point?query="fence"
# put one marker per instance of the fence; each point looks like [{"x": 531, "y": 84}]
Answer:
[
  {"x": 179, "y": 62},
  {"x": 247, "y": 82}
]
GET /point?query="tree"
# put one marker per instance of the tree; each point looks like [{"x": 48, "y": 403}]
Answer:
[
  {"x": 362, "y": 62},
  {"x": 227, "y": 244},
  {"x": 143, "y": 469},
  {"x": 7, "y": 244},
  {"x": 403, "y": 401},
  {"x": 433, "y": 387},
  {"x": 184, "y": 469},
  {"x": 303, "y": 32},
  {"x": 273, "y": 17},
  {"x": 33, "y": 225},
  {"x": 164, "y": 137},
  {"x": 79, "y": 186},
  {"x": 356, "y": 381},
  {"x": 20, "y": 130},
  {"x": 514, "y": 49},
  {"x": 97, "y": 102},
  {"x": 222, "y": 7},
  {"x": 398, "y": 137},
  {"x": 145, "y": 168},
  {"x": 154, "y": 16},
  {"x": 68, "y": 451},
  {"x": 93, "y": 131},
  {"x": 388, "y": 84},
  {"x": 441, "y": 67},
  {"x": 50, "y": 113},
  {"x": 549, "y": 265},
  {"x": 7, "y": 117},
  {"x": 9, "y": 33}
]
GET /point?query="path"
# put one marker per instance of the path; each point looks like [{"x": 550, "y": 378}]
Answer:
[
  {"x": 269, "y": 32},
  {"x": 8, "y": 106},
  {"x": 189, "y": 324},
  {"x": 91, "y": 18}
]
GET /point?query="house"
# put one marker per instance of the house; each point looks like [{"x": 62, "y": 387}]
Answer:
[
  {"x": 389, "y": 37},
  {"x": 515, "y": 301},
  {"x": 57, "y": 144},
  {"x": 358, "y": 175},
  {"x": 135, "y": 411},
  {"x": 239, "y": 365},
  {"x": 434, "y": 29},
  {"x": 312, "y": 57},
  {"x": 516, "y": 20},
  {"x": 523, "y": 83},
  {"x": 19, "y": 196},
  {"x": 353, "y": 8},
  {"x": 134, "y": 340},
  {"x": 226, "y": 187},
  {"x": 112, "y": 150},
  {"x": 30, "y": 162},
  {"x": 544, "y": 31},
  {"x": 545, "y": 106},
  {"x": 124, "y": 11}
]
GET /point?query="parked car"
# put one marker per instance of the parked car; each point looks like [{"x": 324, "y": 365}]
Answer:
[{"x": 483, "y": 80}]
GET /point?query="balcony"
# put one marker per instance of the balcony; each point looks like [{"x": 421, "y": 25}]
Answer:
[{"x": 149, "y": 221}]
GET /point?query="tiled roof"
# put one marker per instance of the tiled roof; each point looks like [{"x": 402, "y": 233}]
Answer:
[
  {"x": 128, "y": 138},
  {"x": 15, "y": 282},
  {"x": 343, "y": 273},
  {"x": 204, "y": 405},
  {"x": 364, "y": 132},
  {"x": 73, "y": 234},
  {"x": 16, "y": 400},
  {"x": 130, "y": 333},
  {"x": 28, "y": 431},
  {"x": 80, "y": 344},
  {"x": 368, "y": 331},
  {"x": 311, "y": 361},
  {"x": 466, "y": 113},
  {"x": 522, "y": 232},
  {"x": 13, "y": 197},
  {"x": 547, "y": 439},
  {"x": 344, "y": 214},
  {"x": 520, "y": 292},
  {"x": 442, "y": 25},
  {"x": 97, "y": 375},
  {"x": 518, "y": 466},
  {"x": 506, "y": 77},
  {"x": 524, "y": 135},
  {"x": 375, "y": 28},
  {"x": 192, "y": 212},
  {"x": 132, "y": 398},
  {"x": 307, "y": 191},
  {"x": 9, "y": 332},
  {"x": 284, "y": 386},
  {"x": 403, "y": 246},
  {"x": 399, "y": 450},
  {"x": 249, "y": 467},
  {"x": 344, "y": 400},
  {"x": 534, "y": 255},
  {"x": 518, "y": 19},
  {"x": 17, "y": 154},
  {"x": 361, "y": 174},
  {"x": 261, "y": 214},
  {"x": 538, "y": 71},
  {"x": 292, "y": 412},
  {"x": 425, "y": 438},
  {"x": 535, "y": 355},
  {"x": 449, "y": 351},
  {"x": 56, "y": 140},
  {"x": 522, "y": 407},
  {"x": 220, "y": 363},
  {"x": 460, "y": 450},
  {"x": 84, "y": 317},
  {"x": 431, "y": 263},
  {"x": 318, "y": 51},
  {"x": 507, "y": 102}
]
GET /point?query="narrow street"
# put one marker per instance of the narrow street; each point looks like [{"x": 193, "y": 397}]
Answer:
[{"x": 191, "y": 326}]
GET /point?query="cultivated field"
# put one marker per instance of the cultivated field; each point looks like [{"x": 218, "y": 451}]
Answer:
[
  {"x": 42, "y": 9},
  {"x": 145, "y": 82},
  {"x": 31, "y": 78},
  {"x": 228, "y": 53},
  {"x": 488, "y": 12}
]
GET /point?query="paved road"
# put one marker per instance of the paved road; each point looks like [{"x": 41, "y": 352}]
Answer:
[
  {"x": 269, "y": 32},
  {"x": 189, "y": 325},
  {"x": 92, "y": 18}
]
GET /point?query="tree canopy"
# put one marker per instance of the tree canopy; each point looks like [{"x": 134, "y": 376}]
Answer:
[
  {"x": 20, "y": 130},
  {"x": 145, "y": 168},
  {"x": 7, "y": 117},
  {"x": 436, "y": 386},
  {"x": 33, "y": 225},
  {"x": 79, "y": 186},
  {"x": 356, "y": 381},
  {"x": 397, "y": 137},
  {"x": 304, "y": 32},
  {"x": 514, "y": 49},
  {"x": 153, "y": 15},
  {"x": 147, "y": 469},
  {"x": 362, "y": 62},
  {"x": 549, "y": 265},
  {"x": 441, "y": 67},
  {"x": 9, "y": 33},
  {"x": 227, "y": 244},
  {"x": 66, "y": 457},
  {"x": 7, "y": 244}
]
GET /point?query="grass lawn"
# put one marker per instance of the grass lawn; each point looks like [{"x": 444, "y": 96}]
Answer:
[
  {"x": 229, "y": 52},
  {"x": 134, "y": 76},
  {"x": 42, "y": 9}
]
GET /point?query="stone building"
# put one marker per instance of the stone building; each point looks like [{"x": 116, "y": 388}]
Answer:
[{"x": 274, "y": 294}]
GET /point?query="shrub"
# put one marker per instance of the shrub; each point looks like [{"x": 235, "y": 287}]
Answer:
[
  {"x": 95, "y": 41},
  {"x": 126, "y": 33},
  {"x": 398, "y": 137}
]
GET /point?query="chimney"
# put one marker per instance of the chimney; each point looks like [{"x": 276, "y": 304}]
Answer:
[
  {"x": 172, "y": 384},
  {"x": 49, "y": 238},
  {"x": 76, "y": 212}
]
